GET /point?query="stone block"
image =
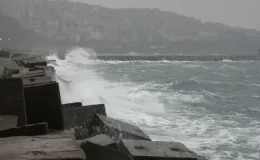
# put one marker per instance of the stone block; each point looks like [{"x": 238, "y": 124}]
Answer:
[
  {"x": 143, "y": 150},
  {"x": 27, "y": 130},
  {"x": 80, "y": 118},
  {"x": 101, "y": 139},
  {"x": 97, "y": 152},
  {"x": 36, "y": 80},
  {"x": 116, "y": 129},
  {"x": 8, "y": 121},
  {"x": 72, "y": 105},
  {"x": 12, "y": 100},
  {"x": 43, "y": 104}
]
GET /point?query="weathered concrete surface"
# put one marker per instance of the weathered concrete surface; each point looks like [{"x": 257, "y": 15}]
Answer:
[
  {"x": 142, "y": 150},
  {"x": 43, "y": 104},
  {"x": 97, "y": 152},
  {"x": 48, "y": 71},
  {"x": 26, "y": 130},
  {"x": 116, "y": 129},
  {"x": 8, "y": 121},
  {"x": 8, "y": 65},
  {"x": 36, "y": 80},
  {"x": 37, "y": 73},
  {"x": 33, "y": 62},
  {"x": 12, "y": 99},
  {"x": 180, "y": 58},
  {"x": 58, "y": 146},
  {"x": 80, "y": 118},
  {"x": 101, "y": 139}
]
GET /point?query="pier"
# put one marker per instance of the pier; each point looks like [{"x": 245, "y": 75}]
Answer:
[{"x": 179, "y": 58}]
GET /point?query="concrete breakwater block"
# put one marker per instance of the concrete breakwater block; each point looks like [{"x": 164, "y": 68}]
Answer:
[
  {"x": 33, "y": 62},
  {"x": 143, "y": 150},
  {"x": 27, "y": 130},
  {"x": 48, "y": 71},
  {"x": 55, "y": 146},
  {"x": 12, "y": 99},
  {"x": 80, "y": 118},
  {"x": 116, "y": 129},
  {"x": 98, "y": 152},
  {"x": 72, "y": 105},
  {"x": 36, "y": 80},
  {"x": 37, "y": 73},
  {"x": 9, "y": 70},
  {"x": 101, "y": 139},
  {"x": 8, "y": 121},
  {"x": 43, "y": 104}
]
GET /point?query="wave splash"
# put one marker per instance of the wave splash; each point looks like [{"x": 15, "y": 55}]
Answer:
[{"x": 81, "y": 80}]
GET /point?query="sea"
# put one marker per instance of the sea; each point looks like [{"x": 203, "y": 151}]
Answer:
[{"x": 211, "y": 107}]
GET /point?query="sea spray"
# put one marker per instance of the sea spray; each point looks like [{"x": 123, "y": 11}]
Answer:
[{"x": 211, "y": 115}]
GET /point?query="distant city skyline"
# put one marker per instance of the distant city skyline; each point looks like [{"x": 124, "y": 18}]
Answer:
[{"x": 236, "y": 13}]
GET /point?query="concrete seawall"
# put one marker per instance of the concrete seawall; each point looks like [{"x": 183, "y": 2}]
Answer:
[{"x": 180, "y": 58}]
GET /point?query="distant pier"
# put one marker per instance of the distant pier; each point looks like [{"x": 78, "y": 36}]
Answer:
[{"x": 179, "y": 58}]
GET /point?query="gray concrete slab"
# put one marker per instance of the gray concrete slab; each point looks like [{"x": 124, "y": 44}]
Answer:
[
  {"x": 57, "y": 146},
  {"x": 142, "y": 150}
]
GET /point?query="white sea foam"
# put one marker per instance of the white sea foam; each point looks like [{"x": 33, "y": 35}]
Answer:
[{"x": 80, "y": 80}]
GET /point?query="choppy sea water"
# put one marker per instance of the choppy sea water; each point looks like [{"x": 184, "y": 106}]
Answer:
[{"x": 211, "y": 107}]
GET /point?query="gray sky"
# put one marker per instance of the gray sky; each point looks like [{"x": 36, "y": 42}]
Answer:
[{"x": 240, "y": 13}]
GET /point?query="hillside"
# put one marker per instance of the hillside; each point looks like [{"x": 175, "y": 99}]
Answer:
[{"x": 126, "y": 30}]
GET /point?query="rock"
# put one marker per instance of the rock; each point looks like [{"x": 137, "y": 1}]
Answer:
[
  {"x": 12, "y": 100},
  {"x": 8, "y": 121},
  {"x": 116, "y": 129},
  {"x": 26, "y": 130},
  {"x": 33, "y": 62},
  {"x": 97, "y": 152},
  {"x": 80, "y": 118},
  {"x": 43, "y": 104},
  {"x": 143, "y": 150},
  {"x": 101, "y": 139}
]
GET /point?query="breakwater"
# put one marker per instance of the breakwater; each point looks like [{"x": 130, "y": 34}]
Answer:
[
  {"x": 34, "y": 124},
  {"x": 180, "y": 58}
]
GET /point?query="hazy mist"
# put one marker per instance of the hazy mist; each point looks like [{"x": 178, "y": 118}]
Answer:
[{"x": 239, "y": 13}]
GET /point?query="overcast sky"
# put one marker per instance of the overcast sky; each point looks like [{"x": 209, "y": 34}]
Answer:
[{"x": 240, "y": 13}]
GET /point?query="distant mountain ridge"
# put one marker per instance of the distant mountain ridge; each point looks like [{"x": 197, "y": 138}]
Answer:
[{"x": 126, "y": 30}]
